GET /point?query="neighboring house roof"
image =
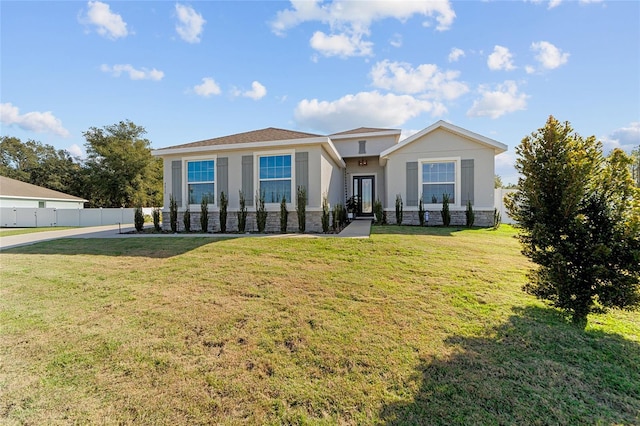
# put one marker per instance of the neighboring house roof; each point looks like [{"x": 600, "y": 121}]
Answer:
[
  {"x": 498, "y": 147},
  {"x": 364, "y": 130},
  {"x": 262, "y": 135},
  {"x": 11, "y": 188}
]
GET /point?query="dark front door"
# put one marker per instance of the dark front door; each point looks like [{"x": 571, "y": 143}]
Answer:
[{"x": 363, "y": 190}]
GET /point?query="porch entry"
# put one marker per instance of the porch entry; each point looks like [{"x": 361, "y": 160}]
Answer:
[{"x": 364, "y": 191}]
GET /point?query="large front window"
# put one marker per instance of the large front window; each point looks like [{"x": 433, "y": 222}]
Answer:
[
  {"x": 275, "y": 178},
  {"x": 438, "y": 178},
  {"x": 201, "y": 181}
]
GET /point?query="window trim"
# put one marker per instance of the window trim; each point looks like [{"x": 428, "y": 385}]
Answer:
[
  {"x": 256, "y": 173},
  {"x": 185, "y": 180},
  {"x": 457, "y": 183}
]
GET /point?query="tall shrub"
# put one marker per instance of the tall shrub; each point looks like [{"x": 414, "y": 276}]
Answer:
[
  {"x": 224, "y": 203},
  {"x": 242, "y": 213},
  {"x": 284, "y": 215},
  {"x": 578, "y": 217},
  {"x": 261, "y": 212},
  {"x": 446, "y": 214},
  {"x": 377, "y": 212},
  {"x": 138, "y": 219},
  {"x": 497, "y": 218},
  {"x": 156, "y": 219},
  {"x": 204, "y": 214},
  {"x": 301, "y": 208},
  {"x": 325, "y": 214},
  {"x": 421, "y": 211},
  {"x": 399, "y": 209},
  {"x": 471, "y": 216},
  {"x": 173, "y": 214},
  {"x": 186, "y": 220}
]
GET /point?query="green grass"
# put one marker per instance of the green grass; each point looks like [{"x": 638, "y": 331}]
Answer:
[
  {"x": 7, "y": 232},
  {"x": 413, "y": 326}
]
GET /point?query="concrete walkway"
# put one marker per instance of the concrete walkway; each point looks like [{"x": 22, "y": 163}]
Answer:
[{"x": 360, "y": 228}]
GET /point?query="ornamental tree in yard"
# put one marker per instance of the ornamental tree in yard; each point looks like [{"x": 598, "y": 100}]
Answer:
[{"x": 579, "y": 219}]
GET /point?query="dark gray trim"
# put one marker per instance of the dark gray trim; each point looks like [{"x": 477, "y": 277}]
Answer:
[
  {"x": 176, "y": 181},
  {"x": 302, "y": 173},
  {"x": 247, "y": 178},
  {"x": 222, "y": 176},
  {"x": 412, "y": 184},
  {"x": 467, "y": 182}
]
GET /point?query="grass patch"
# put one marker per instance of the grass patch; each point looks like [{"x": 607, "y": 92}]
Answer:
[
  {"x": 8, "y": 232},
  {"x": 413, "y": 326}
]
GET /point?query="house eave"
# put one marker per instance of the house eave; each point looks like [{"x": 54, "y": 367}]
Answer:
[
  {"x": 324, "y": 141},
  {"x": 366, "y": 134},
  {"x": 498, "y": 147}
]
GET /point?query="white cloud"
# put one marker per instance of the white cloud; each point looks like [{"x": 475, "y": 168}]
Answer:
[
  {"x": 368, "y": 108},
  {"x": 495, "y": 103},
  {"x": 426, "y": 79},
  {"x": 548, "y": 55},
  {"x": 134, "y": 74},
  {"x": 257, "y": 92},
  {"x": 107, "y": 23},
  {"x": 626, "y": 138},
  {"x": 555, "y": 3},
  {"x": 342, "y": 45},
  {"x": 455, "y": 54},
  {"x": 76, "y": 151},
  {"x": 190, "y": 23},
  {"x": 40, "y": 122},
  {"x": 500, "y": 59},
  {"x": 405, "y": 133},
  {"x": 350, "y": 21},
  {"x": 207, "y": 88},
  {"x": 396, "y": 40}
]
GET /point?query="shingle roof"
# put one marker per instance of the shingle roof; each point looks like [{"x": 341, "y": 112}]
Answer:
[
  {"x": 363, "y": 130},
  {"x": 15, "y": 188},
  {"x": 262, "y": 135}
]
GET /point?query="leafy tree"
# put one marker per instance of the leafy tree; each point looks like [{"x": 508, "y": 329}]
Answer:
[
  {"x": 497, "y": 181},
  {"x": 635, "y": 166},
  {"x": 42, "y": 165},
  {"x": 122, "y": 170},
  {"x": 579, "y": 220}
]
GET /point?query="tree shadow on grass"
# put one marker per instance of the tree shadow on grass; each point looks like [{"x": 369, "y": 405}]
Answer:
[
  {"x": 534, "y": 369},
  {"x": 157, "y": 248}
]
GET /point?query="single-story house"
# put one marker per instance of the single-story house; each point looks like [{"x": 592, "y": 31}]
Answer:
[
  {"x": 18, "y": 194},
  {"x": 370, "y": 163}
]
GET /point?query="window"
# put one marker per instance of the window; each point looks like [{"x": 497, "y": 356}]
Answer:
[
  {"x": 275, "y": 177},
  {"x": 201, "y": 181},
  {"x": 438, "y": 178}
]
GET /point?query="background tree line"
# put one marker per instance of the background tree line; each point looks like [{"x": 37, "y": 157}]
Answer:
[{"x": 118, "y": 171}]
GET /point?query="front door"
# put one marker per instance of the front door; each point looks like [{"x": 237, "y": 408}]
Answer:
[{"x": 363, "y": 190}]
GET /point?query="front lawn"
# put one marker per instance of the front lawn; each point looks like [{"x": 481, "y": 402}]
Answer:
[
  {"x": 8, "y": 232},
  {"x": 412, "y": 326}
]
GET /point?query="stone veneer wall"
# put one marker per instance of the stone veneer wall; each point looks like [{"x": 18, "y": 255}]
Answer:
[
  {"x": 313, "y": 222},
  {"x": 458, "y": 217}
]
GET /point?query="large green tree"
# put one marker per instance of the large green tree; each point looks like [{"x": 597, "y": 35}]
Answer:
[
  {"x": 122, "y": 171},
  {"x": 579, "y": 220},
  {"x": 41, "y": 164}
]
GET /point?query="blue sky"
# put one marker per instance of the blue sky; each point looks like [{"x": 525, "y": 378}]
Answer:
[{"x": 192, "y": 71}]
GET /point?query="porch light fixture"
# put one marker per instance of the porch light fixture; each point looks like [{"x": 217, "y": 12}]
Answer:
[{"x": 362, "y": 162}]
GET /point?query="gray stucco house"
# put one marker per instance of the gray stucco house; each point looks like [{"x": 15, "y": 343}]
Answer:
[{"x": 372, "y": 163}]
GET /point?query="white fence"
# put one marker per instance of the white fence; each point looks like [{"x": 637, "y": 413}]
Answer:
[
  {"x": 499, "y": 195},
  {"x": 24, "y": 217}
]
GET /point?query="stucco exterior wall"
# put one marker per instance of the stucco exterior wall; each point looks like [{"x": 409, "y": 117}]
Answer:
[
  {"x": 374, "y": 168},
  {"x": 349, "y": 147},
  {"x": 332, "y": 180},
  {"x": 324, "y": 176},
  {"x": 35, "y": 203},
  {"x": 443, "y": 144}
]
